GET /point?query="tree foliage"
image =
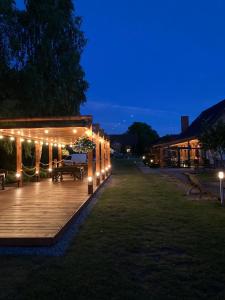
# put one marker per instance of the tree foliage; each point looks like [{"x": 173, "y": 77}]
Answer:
[
  {"x": 40, "y": 52},
  {"x": 213, "y": 139},
  {"x": 145, "y": 136}
]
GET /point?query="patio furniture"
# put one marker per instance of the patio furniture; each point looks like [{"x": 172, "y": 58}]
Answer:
[{"x": 76, "y": 171}]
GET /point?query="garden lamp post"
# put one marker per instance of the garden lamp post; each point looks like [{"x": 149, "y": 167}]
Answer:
[{"x": 221, "y": 177}]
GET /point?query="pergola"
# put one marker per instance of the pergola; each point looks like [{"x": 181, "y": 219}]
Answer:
[{"x": 58, "y": 132}]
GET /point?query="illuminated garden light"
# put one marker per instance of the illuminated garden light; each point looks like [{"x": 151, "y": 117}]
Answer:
[{"x": 221, "y": 177}]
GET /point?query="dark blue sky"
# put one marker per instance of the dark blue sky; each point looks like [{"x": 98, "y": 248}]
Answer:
[{"x": 152, "y": 61}]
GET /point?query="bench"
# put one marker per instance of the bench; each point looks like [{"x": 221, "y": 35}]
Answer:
[{"x": 195, "y": 184}]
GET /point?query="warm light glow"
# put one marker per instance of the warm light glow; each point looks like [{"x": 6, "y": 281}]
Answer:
[
  {"x": 221, "y": 175},
  {"x": 37, "y": 172},
  {"x": 63, "y": 146},
  {"x": 50, "y": 170},
  {"x": 109, "y": 166},
  {"x": 22, "y": 140},
  {"x": 41, "y": 143},
  {"x": 97, "y": 174},
  {"x": 36, "y": 142},
  {"x": 46, "y": 144},
  {"x": 55, "y": 145},
  {"x": 151, "y": 160},
  {"x": 1, "y": 137},
  {"x": 51, "y": 144},
  {"x": 103, "y": 171},
  {"x": 71, "y": 146},
  {"x": 17, "y": 175},
  {"x": 29, "y": 141},
  {"x": 74, "y": 131},
  {"x": 46, "y": 131},
  {"x": 88, "y": 133},
  {"x": 144, "y": 157},
  {"x": 18, "y": 132},
  {"x": 12, "y": 138},
  {"x": 90, "y": 179}
]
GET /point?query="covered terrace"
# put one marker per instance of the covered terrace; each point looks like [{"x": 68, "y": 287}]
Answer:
[{"x": 37, "y": 213}]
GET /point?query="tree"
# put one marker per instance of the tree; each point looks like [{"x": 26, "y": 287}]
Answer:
[
  {"x": 40, "y": 60},
  {"x": 145, "y": 136},
  {"x": 213, "y": 140}
]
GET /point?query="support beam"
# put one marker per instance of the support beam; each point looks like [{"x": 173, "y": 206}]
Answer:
[
  {"x": 97, "y": 158},
  {"x": 103, "y": 158},
  {"x": 60, "y": 155},
  {"x": 90, "y": 172},
  {"x": 38, "y": 149},
  {"x": 19, "y": 173},
  {"x": 161, "y": 157},
  {"x": 50, "y": 157}
]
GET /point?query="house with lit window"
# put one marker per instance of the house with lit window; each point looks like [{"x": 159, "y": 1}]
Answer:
[{"x": 184, "y": 149}]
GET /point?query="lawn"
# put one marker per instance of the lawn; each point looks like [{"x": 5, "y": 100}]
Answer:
[{"x": 143, "y": 240}]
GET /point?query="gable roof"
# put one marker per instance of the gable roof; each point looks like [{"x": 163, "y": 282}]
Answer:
[{"x": 209, "y": 116}]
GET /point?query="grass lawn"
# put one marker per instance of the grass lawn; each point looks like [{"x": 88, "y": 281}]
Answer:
[
  {"x": 208, "y": 176},
  {"x": 143, "y": 240}
]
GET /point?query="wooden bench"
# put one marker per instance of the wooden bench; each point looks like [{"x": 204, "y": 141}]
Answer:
[{"x": 195, "y": 184}]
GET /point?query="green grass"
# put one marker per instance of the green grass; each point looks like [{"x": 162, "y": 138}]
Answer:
[
  {"x": 143, "y": 240},
  {"x": 208, "y": 176}
]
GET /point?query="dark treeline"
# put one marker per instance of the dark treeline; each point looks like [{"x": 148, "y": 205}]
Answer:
[{"x": 40, "y": 51}]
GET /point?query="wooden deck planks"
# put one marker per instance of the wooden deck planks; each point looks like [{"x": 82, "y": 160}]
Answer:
[{"x": 36, "y": 214}]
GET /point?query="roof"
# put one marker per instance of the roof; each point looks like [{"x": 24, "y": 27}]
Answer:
[
  {"x": 209, "y": 116},
  {"x": 62, "y": 130}
]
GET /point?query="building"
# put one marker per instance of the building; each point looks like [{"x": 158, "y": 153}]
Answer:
[{"x": 184, "y": 150}]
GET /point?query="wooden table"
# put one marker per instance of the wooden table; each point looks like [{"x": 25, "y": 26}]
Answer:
[{"x": 76, "y": 171}]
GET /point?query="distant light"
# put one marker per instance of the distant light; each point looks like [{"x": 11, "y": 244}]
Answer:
[
  {"x": 29, "y": 141},
  {"x": 12, "y": 138},
  {"x": 46, "y": 131},
  {"x": 18, "y": 175},
  {"x": 97, "y": 174},
  {"x": 144, "y": 157},
  {"x": 221, "y": 175},
  {"x": 46, "y": 144},
  {"x": 22, "y": 140},
  {"x": 50, "y": 170},
  {"x": 37, "y": 172},
  {"x": 74, "y": 131},
  {"x": 1, "y": 137}
]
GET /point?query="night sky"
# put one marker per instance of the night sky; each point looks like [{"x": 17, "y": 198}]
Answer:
[{"x": 152, "y": 60}]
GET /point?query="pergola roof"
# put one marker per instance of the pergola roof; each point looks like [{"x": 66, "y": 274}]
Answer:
[{"x": 62, "y": 130}]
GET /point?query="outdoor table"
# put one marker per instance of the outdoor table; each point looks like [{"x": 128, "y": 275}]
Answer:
[{"x": 76, "y": 171}]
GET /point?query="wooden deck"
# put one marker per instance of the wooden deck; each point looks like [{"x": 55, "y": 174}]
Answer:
[{"x": 37, "y": 214}]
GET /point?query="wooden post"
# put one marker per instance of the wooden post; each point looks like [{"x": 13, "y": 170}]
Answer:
[
  {"x": 109, "y": 157},
  {"x": 19, "y": 174},
  {"x": 161, "y": 157},
  {"x": 103, "y": 159},
  {"x": 37, "y": 160},
  {"x": 178, "y": 157},
  {"x": 97, "y": 158},
  {"x": 60, "y": 154},
  {"x": 90, "y": 172},
  {"x": 50, "y": 158}
]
